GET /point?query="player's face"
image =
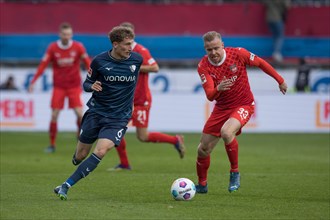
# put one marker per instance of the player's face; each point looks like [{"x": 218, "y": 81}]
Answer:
[
  {"x": 123, "y": 49},
  {"x": 214, "y": 50},
  {"x": 66, "y": 35}
]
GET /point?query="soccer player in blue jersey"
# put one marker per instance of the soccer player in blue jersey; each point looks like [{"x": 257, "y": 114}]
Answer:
[{"x": 112, "y": 78}]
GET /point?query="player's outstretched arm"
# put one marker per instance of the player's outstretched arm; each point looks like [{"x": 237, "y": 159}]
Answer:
[
  {"x": 253, "y": 60},
  {"x": 42, "y": 66},
  {"x": 268, "y": 69}
]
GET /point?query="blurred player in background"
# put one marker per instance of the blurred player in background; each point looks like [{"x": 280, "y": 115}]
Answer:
[
  {"x": 65, "y": 55},
  {"x": 276, "y": 14},
  {"x": 224, "y": 79},
  {"x": 112, "y": 78},
  {"x": 142, "y": 105},
  {"x": 302, "y": 80}
]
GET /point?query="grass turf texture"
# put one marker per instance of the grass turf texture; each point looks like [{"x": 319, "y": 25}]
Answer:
[{"x": 283, "y": 176}]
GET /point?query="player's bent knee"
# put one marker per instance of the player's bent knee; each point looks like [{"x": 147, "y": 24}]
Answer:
[
  {"x": 226, "y": 135},
  {"x": 203, "y": 152},
  {"x": 101, "y": 151}
]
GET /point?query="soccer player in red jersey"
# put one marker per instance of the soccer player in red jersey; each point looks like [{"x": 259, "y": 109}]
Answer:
[
  {"x": 224, "y": 79},
  {"x": 65, "y": 55},
  {"x": 142, "y": 105}
]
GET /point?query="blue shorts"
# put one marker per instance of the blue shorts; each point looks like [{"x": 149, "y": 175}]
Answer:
[{"x": 95, "y": 126}]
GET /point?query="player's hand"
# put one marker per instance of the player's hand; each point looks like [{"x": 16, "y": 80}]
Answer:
[
  {"x": 97, "y": 86},
  {"x": 224, "y": 85},
  {"x": 283, "y": 87},
  {"x": 31, "y": 88}
]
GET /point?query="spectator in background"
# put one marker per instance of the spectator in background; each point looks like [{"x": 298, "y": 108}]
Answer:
[
  {"x": 9, "y": 84},
  {"x": 223, "y": 72},
  {"x": 142, "y": 105},
  {"x": 276, "y": 13},
  {"x": 302, "y": 81},
  {"x": 65, "y": 55}
]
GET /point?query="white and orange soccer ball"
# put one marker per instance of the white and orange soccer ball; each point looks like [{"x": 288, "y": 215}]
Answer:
[{"x": 183, "y": 189}]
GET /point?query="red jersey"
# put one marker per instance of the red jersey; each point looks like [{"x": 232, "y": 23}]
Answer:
[
  {"x": 65, "y": 62},
  {"x": 142, "y": 94},
  {"x": 233, "y": 67}
]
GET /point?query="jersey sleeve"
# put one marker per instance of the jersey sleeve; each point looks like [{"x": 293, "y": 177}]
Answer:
[
  {"x": 251, "y": 59},
  {"x": 84, "y": 56},
  {"x": 91, "y": 76},
  {"x": 147, "y": 58},
  {"x": 43, "y": 64},
  {"x": 208, "y": 84}
]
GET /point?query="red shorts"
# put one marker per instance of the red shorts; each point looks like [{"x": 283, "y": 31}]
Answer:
[
  {"x": 219, "y": 117},
  {"x": 140, "y": 116},
  {"x": 74, "y": 95}
]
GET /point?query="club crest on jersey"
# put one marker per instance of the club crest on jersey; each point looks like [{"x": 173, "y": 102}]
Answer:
[
  {"x": 132, "y": 68},
  {"x": 233, "y": 68}
]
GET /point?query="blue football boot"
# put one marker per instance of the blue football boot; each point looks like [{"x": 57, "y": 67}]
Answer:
[
  {"x": 234, "y": 181},
  {"x": 201, "y": 189},
  {"x": 62, "y": 191}
]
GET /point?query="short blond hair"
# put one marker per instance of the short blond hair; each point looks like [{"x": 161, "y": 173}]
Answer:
[{"x": 211, "y": 35}]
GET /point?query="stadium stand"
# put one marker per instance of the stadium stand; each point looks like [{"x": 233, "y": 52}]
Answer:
[{"x": 173, "y": 34}]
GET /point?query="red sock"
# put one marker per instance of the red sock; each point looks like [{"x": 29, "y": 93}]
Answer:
[
  {"x": 202, "y": 166},
  {"x": 52, "y": 132},
  {"x": 232, "y": 152},
  {"x": 161, "y": 138},
  {"x": 121, "y": 150}
]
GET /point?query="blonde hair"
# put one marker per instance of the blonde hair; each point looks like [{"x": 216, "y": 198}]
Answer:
[{"x": 211, "y": 35}]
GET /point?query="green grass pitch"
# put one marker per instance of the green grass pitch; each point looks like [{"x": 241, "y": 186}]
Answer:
[{"x": 283, "y": 176}]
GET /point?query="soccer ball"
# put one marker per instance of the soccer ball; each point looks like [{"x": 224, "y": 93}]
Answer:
[{"x": 183, "y": 189}]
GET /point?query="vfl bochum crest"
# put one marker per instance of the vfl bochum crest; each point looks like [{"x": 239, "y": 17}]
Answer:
[{"x": 132, "y": 68}]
